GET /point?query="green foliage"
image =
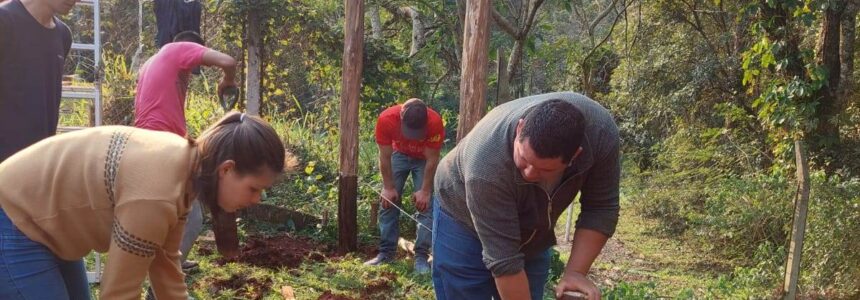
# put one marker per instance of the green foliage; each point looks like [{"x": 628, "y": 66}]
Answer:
[
  {"x": 118, "y": 91},
  {"x": 631, "y": 291}
]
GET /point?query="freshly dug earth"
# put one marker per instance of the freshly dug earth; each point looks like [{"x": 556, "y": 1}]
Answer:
[
  {"x": 278, "y": 251},
  {"x": 244, "y": 287},
  {"x": 329, "y": 296},
  {"x": 379, "y": 288}
]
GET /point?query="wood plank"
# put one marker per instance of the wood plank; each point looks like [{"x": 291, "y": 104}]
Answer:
[{"x": 353, "y": 53}]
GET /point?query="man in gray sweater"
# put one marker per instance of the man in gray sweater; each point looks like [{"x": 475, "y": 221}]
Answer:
[{"x": 501, "y": 191}]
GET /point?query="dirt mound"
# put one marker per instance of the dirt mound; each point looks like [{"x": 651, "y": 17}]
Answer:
[
  {"x": 278, "y": 251},
  {"x": 327, "y": 295},
  {"x": 380, "y": 287},
  {"x": 245, "y": 288}
]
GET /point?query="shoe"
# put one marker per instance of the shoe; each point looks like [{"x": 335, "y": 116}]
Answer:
[
  {"x": 189, "y": 265},
  {"x": 380, "y": 258},
  {"x": 421, "y": 265}
]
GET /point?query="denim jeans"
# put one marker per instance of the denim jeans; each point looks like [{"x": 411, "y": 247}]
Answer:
[
  {"x": 193, "y": 226},
  {"x": 458, "y": 267},
  {"x": 401, "y": 167},
  {"x": 29, "y": 270}
]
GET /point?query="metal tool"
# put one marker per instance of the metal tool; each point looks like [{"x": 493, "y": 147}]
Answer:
[{"x": 228, "y": 97}]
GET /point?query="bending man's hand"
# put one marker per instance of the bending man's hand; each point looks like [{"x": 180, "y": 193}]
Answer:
[
  {"x": 422, "y": 200},
  {"x": 388, "y": 195},
  {"x": 574, "y": 281}
]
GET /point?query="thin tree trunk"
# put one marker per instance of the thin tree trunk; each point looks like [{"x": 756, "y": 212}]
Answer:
[
  {"x": 417, "y": 28},
  {"x": 473, "y": 82},
  {"x": 255, "y": 63},
  {"x": 461, "y": 25},
  {"x": 375, "y": 22},
  {"x": 353, "y": 48},
  {"x": 827, "y": 132},
  {"x": 849, "y": 33}
]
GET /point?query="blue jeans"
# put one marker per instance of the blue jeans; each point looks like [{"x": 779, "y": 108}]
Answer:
[
  {"x": 193, "y": 226},
  {"x": 29, "y": 270},
  {"x": 458, "y": 267},
  {"x": 401, "y": 167}
]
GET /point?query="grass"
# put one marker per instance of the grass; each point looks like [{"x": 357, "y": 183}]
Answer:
[
  {"x": 642, "y": 262},
  {"x": 345, "y": 276}
]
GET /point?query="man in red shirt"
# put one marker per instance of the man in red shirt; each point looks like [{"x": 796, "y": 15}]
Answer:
[{"x": 409, "y": 137}]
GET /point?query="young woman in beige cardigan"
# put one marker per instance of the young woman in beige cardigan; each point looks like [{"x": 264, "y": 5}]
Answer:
[{"x": 127, "y": 192}]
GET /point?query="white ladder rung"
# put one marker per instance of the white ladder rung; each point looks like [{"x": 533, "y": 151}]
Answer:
[
  {"x": 79, "y": 92},
  {"x": 79, "y": 46},
  {"x": 96, "y": 276},
  {"x": 66, "y": 129},
  {"x": 78, "y": 95}
]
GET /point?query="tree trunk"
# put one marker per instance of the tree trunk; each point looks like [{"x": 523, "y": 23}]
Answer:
[
  {"x": 461, "y": 21},
  {"x": 417, "y": 29},
  {"x": 473, "y": 82},
  {"x": 353, "y": 48},
  {"x": 827, "y": 133},
  {"x": 375, "y": 22},
  {"x": 519, "y": 33},
  {"x": 515, "y": 60},
  {"x": 255, "y": 59}
]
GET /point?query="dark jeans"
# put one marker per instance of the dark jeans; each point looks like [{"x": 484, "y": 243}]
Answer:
[{"x": 29, "y": 270}]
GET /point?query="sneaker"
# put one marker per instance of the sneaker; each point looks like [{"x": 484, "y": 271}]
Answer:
[
  {"x": 421, "y": 265},
  {"x": 189, "y": 265},
  {"x": 380, "y": 258}
]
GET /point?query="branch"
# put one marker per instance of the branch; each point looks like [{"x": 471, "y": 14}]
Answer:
[
  {"x": 531, "y": 17},
  {"x": 601, "y": 16},
  {"x": 503, "y": 24},
  {"x": 611, "y": 29}
]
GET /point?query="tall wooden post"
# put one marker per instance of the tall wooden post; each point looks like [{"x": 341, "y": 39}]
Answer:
[
  {"x": 353, "y": 53},
  {"x": 798, "y": 228},
  {"x": 255, "y": 63},
  {"x": 473, "y": 81},
  {"x": 503, "y": 93}
]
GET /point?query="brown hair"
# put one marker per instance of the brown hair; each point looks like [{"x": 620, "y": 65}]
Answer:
[{"x": 248, "y": 140}]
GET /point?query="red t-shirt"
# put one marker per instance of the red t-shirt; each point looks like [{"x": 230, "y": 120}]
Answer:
[
  {"x": 161, "y": 86},
  {"x": 388, "y": 133}
]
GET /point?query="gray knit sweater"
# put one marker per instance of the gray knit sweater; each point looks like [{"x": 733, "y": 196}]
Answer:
[{"x": 478, "y": 184}]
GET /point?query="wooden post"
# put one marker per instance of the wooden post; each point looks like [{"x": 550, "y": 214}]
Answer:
[
  {"x": 255, "y": 63},
  {"x": 473, "y": 81},
  {"x": 503, "y": 93},
  {"x": 798, "y": 228},
  {"x": 374, "y": 214},
  {"x": 353, "y": 53}
]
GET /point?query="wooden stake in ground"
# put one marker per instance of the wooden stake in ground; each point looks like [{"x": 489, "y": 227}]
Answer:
[
  {"x": 288, "y": 293},
  {"x": 473, "y": 82},
  {"x": 353, "y": 52},
  {"x": 798, "y": 228}
]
